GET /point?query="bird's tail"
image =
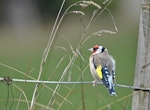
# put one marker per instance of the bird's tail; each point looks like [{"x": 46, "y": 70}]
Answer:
[
  {"x": 108, "y": 81},
  {"x": 110, "y": 86},
  {"x": 112, "y": 90}
]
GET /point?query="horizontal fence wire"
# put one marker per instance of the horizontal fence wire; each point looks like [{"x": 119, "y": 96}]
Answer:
[{"x": 8, "y": 80}]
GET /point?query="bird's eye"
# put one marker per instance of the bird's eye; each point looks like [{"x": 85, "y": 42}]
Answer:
[{"x": 94, "y": 49}]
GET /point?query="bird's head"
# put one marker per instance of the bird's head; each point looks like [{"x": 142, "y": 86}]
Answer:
[{"x": 97, "y": 49}]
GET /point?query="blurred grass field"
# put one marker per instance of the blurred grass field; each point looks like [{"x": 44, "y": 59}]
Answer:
[
  {"x": 26, "y": 55},
  {"x": 23, "y": 52}
]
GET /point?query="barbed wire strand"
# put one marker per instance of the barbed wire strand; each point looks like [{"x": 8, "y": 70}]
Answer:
[{"x": 8, "y": 79}]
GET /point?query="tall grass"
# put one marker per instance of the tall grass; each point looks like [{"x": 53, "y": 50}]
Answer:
[{"x": 71, "y": 62}]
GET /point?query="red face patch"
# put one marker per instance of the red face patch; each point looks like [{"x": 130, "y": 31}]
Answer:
[{"x": 95, "y": 48}]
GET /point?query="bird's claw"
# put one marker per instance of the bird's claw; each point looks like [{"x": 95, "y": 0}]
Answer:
[{"x": 94, "y": 83}]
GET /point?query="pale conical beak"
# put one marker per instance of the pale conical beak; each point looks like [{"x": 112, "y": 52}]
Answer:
[{"x": 91, "y": 49}]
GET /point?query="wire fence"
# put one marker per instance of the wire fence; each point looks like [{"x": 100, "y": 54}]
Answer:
[
  {"x": 9, "y": 80},
  {"x": 52, "y": 100}
]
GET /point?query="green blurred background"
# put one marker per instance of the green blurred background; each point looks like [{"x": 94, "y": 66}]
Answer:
[{"x": 25, "y": 27}]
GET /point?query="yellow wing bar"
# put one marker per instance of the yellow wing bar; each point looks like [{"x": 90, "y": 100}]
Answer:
[{"x": 99, "y": 71}]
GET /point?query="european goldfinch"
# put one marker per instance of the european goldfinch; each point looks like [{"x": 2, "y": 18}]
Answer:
[{"x": 102, "y": 67}]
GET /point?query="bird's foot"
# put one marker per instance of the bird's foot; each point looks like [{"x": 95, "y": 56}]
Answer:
[{"x": 94, "y": 83}]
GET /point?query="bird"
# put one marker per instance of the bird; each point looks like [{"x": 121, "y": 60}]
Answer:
[{"x": 102, "y": 67}]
